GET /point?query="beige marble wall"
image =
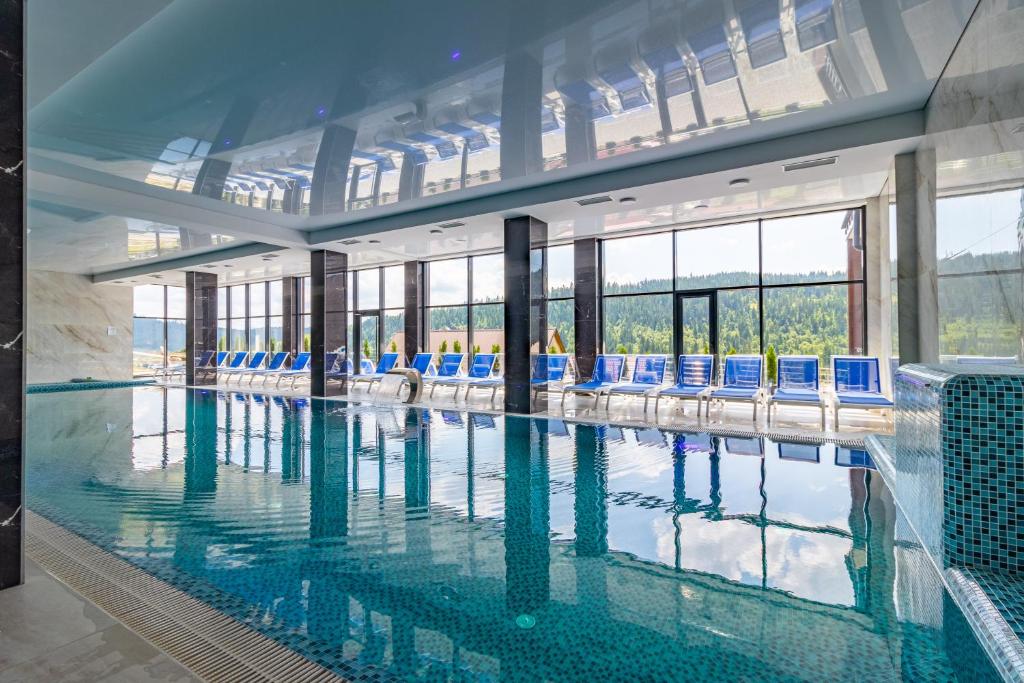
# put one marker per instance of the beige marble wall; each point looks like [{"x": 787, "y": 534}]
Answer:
[{"x": 67, "y": 335}]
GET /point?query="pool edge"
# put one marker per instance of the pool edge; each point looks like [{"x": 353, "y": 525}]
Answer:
[{"x": 207, "y": 642}]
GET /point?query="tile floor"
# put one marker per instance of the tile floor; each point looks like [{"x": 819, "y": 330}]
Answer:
[{"x": 49, "y": 633}]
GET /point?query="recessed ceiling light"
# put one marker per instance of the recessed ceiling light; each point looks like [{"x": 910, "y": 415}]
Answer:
[
  {"x": 373, "y": 241},
  {"x": 226, "y": 265},
  {"x": 627, "y": 200},
  {"x": 350, "y": 242},
  {"x": 739, "y": 182},
  {"x": 700, "y": 206},
  {"x": 210, "y": 265},
  {"x": 435, "y": 231},
  {"x": 452, "y": 224}
]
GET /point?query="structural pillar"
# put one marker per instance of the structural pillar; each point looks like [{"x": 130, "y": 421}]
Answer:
[
  {"x": 525, "y": 306},
  {"x": 200, "y": 324},
  {"x": 291, "y": 306},
  {"x": 413, "y": 309},
  {"x": 916, "y": 258},
  {"x": 330, "y": 173},
  {"x": 12, "y": 298},
  {"x": 587, "y": 293},
  {"x": 329, "y": 321}
]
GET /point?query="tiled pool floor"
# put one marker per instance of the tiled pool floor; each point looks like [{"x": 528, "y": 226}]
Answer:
[{"x": 440, "y": 544}]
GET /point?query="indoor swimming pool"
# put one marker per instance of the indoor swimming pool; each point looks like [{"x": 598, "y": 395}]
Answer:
[{"x": 442, "y": 545}]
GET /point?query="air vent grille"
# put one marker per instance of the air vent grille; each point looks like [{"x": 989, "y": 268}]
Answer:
[
  {"x": 453, "y": 224},
  {"x": 593, "y": 200},
  {"x": 350, "y": 242},
  {"x": 810, "y": 163}
]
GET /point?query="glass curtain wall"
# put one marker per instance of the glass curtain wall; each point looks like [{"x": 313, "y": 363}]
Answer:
[
  {"x": 158, "y": 328},
  {"x": 465, "y": 305},
  {"x": 561, "y": 307},
  {"x": 781, "y": 286},
  {"x": 980, "y": 244}
]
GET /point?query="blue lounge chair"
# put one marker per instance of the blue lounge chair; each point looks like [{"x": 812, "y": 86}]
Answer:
[
  {"x": 798, "y": 385},
  {"x": 205, "y": 361},
  {"x": 275, "y": 366},
  {"x": 743, "y": 382},
  {"x": 856, "y": 384},
  {"x": 607, "y": 373},
  {"x": 648, "y": 376},
  {"x": 481, "y": 369},
  {"x": 451, "y": 365},
  {"x": 236, "y": 364},
  {"x": 693, "y": 380},
  {"x": 803, "y": 452},
  {"x": 549, "y": 372},
  {"x": 366, "y": 366},
  {"x": 298, "y": 370},
  {"x": 387, "y": 362},
  {"x": 255, "y": 363},
  {"x": 423, "y": 363}
]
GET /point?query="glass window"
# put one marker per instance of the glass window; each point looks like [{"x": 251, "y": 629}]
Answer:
[
  {"x": 561, "y": 272},
  {"x": 979, "y": 233},
  {"x": 368, "y": 289},
  {"x": 257, "y": 299},
  {"x": 562, "y": 322},
  {"x": 638, "y": 264},
  {"x": 822, "y": 321},
  {"x": 488, "y": 278},
  {"x": 722, "y": 256},
  {"x": 739, "y": 325},
  {"x": 237, "y": 301},
  {"x": 981, "y": 315},
  {"x": 447, "y": 282},
  {"x": 638, "y": 324},
  {"x": 149, "y": 301},
  {"x": 238, "y": 341},
  {"x": 394, "y": 331},
  {"x": 222, "y": 335},
  {"x": 175, "y": 341},
  {"x": 448, "y": 329},
  {"x": 307, "y": 294},
  {"x": 489, "y": 327},
  {"x": 147, "y": 345},
  {"x": 276, "y": 335},
  {"x": 257, "y": 334},
  {"x": 222, "y": 302},
  {"x": 276, "y": 297},
  {"x": 820, "y": 247},
  {"x": 176, "y": 302},
  {"x": 394, "y": 287},
  {"x": 307, "y": 331}
]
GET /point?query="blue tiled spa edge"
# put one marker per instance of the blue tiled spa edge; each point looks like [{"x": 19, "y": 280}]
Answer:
[
  {"x": 958, "y": 450},
  {"x": 83, "y": 386}
]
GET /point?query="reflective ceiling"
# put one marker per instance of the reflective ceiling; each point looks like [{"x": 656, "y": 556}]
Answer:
[{"x": 323, "y": 110}]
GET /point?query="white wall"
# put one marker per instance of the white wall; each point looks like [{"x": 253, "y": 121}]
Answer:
[{"x": 68, "y": 323}]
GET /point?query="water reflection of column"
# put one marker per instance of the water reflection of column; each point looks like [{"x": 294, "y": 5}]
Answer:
[
  {"x": 328, "y": 603},
  {"x": 856, "y": 559},
  {"x": 417, "y": 463},
  {"x": 880, "y": 531},
  {"x": 527, "y": 520},
  {"x": 715, "y": 494},
  {"x": 591, "y": 493},
  {"x": 200, "y": 484},
  {"x": 291, "y": 442},
  {"x": 357, "y": 446}
]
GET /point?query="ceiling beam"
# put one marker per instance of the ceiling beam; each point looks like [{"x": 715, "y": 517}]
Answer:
[
  {"x": 907, "y": 127},
  {"x": 63, "y": 183},
  {"x": 187, "y": 261}
]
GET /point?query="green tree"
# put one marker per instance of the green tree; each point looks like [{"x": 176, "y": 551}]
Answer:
[
  {"x": 457, "y": 346},
  {"x": 443, "y": 348},
  {"x": 394, "y": 346},
  {"x": 771, "y": 360}
]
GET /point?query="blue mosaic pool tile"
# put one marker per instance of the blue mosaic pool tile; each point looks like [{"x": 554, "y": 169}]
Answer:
[{"x": 84, "y": 386}]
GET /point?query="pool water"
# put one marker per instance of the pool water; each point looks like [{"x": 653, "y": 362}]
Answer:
[{"x": 437, "y": 545}]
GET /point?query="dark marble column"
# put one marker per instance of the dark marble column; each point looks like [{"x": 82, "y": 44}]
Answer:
[
  {"x": 329, "y": 320},
  {"x": 291, "y": 307},
  {"x": 591, "y": 493},
  {"x": 589, "y": 332},
  {"x": 330, "y": 173},
  {"x": 525, "y": 306},
  {"x": 12, "y": 298},
  {"x": 413, "y": 309},
  {"x": 200, "y": 324}
]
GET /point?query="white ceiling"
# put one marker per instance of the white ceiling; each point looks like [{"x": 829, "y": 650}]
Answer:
[{"x": 108, "y": 140}]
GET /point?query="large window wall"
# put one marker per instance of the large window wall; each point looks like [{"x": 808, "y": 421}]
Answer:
[
  {"x": 250, "y": 317},
  {"x": 465, "y": 304},
  {"x": 980, "y": 243},
  {"x": 794, "y": 285},
  {"x": 158, "y": 328}
]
